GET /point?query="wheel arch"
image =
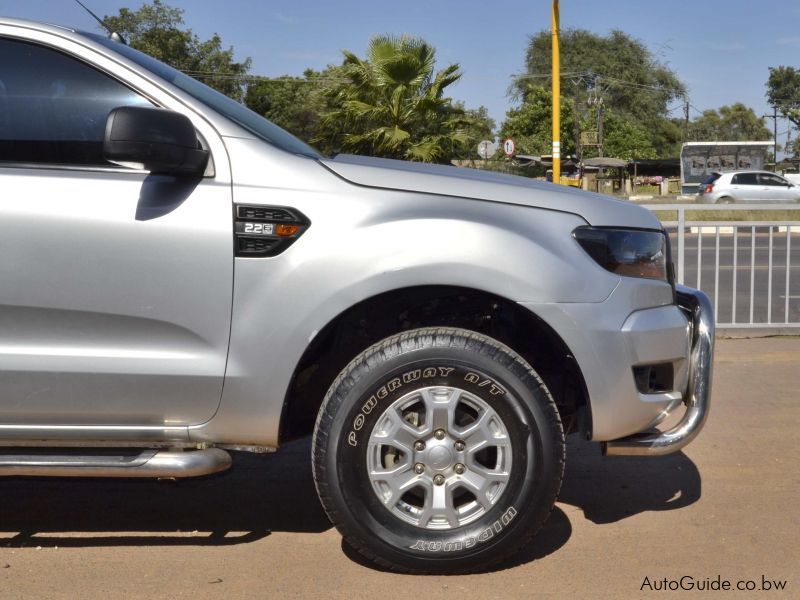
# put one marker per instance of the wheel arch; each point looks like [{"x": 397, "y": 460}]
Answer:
[{"x": 390, "y": 312}]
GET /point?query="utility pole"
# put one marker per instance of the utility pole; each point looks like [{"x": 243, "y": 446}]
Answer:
[
  {"x": 775, "y": 136},
  {"x": 774, "y": 117},
  {"x": 596, "y": 101},
  {"x": 685, "y": 119},
  {"x": 576, "y": 125},
  {"x": 556, "y": 98},
  {"x": 600, "y": 127}
]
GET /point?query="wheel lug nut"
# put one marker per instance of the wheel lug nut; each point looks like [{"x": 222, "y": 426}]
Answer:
[
  {"x": 419, "y": 445},
  {"x": 419, "y": 468},
  {"x": 459, "y": 445},
  {"x": 439, "y": 434},
  {"x": 438, "y": 479},
  {"x": 459, "y": 469}
]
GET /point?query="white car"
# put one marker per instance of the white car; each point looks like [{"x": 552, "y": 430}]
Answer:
[{"x": 747, "y": 186}]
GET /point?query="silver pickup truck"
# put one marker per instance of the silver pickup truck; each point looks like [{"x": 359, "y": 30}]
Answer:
[{"x": 180, "y": 278}]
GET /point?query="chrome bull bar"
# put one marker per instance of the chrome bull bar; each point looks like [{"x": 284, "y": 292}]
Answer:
[{"x": 698, "y": 394}]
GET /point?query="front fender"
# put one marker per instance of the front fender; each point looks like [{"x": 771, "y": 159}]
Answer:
[{"x": 369, "y": 244}]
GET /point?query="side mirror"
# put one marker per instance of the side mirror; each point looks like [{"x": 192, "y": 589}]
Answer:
[{"x": 158, "y": 140}]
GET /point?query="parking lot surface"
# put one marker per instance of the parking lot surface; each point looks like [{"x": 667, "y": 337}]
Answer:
[{"x": 726, "y": 507}]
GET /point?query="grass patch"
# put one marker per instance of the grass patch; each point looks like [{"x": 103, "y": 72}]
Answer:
[{"x": 730, "y": 215}]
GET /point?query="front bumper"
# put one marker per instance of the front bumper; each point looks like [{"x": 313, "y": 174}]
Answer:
[{"x": 700, "y": 313}]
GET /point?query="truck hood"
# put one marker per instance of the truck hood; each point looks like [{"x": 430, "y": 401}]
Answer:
[{"x": 473, "y": 184}]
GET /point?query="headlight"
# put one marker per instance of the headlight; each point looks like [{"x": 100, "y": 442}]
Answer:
[{"x": 629, "y": 252}]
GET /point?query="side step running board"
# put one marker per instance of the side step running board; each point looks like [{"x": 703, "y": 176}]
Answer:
[{"x": 149, "y": 463}]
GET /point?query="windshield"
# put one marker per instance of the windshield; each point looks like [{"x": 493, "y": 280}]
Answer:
[{"x": 238, "y": 113}]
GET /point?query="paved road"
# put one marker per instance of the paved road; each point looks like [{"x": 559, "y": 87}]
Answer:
[
  {"x": 727, "y": 506},
  {"x": 743, "y": 269}
]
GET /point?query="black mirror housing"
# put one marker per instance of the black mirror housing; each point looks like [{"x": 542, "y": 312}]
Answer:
[{"x": 161, "y": 141}]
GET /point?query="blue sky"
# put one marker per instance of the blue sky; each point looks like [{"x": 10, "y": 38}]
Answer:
[{"x": 720, "y": 48}]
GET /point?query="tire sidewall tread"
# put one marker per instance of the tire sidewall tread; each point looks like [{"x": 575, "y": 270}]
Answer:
[{"x": 355, "y": 380}]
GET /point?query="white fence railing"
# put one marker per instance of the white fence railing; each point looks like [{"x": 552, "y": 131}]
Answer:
[{"x": 745, "y": 266}]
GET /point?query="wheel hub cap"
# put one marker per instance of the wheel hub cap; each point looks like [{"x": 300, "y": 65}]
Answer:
[{"x": 439, "y": 457}]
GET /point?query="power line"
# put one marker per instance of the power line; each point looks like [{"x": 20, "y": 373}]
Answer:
[
  {"x": 548, "y": 75},
  {"x": 699, "y": 112},
  {"x": 264, "y": 78},
  {"x": 643, "y": 86},
  {"x": 578, "y": 76},
  {"x": 592, "y": 76},
  {"x": 679, "y": 106}
]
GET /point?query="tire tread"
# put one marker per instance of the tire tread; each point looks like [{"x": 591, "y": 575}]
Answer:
[{"x": 388, "y": 348}]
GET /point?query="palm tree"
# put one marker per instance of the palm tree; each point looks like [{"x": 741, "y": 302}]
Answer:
[{"x": 392, "y": 104}]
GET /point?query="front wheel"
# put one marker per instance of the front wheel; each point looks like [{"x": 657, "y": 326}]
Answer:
[{"x": 438, "y": 450}]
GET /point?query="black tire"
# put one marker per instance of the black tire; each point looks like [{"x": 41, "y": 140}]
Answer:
[{"x": 453, "y": 358}]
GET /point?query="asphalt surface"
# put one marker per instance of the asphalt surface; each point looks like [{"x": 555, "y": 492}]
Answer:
[
  {"x": 745, "y": 261},
  {"x": 727, "y": 506}
]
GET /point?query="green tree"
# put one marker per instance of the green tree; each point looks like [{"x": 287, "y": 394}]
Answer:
[
  {"x": 530, "y": 123},
  {"x": 633, "y": 83},
  {"x": 158, "y": 29},
  {"x": 783, "y": 92},
  {"x": 794, "y": 147},
  {"x": 733, "y": 123},
  {"x": 624, "y": 138},
  {"x": 530, "y": 126},
  {"x": 392, "y": 103},
  {"x": 477, "y": 126},
  {"x": 666, "y": 136},
  {"x": 295, "y": 103}
]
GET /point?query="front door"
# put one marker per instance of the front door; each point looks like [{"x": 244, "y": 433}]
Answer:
[
  {"x": 777, "y": 188},
  {"x": 115, "y": 285}
]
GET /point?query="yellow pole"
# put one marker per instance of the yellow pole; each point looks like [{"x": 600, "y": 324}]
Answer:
[{"x": 556, "y": 99}]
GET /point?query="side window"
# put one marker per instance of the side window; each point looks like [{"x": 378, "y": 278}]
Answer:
[
  {"x": 53, "y": 108},
  {"x": 745, "y": 179},
  {"x": 769, "y": 179}
]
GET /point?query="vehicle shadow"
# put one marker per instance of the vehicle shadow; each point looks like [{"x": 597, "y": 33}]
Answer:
[
  {"x": 258, "y": 495},
  {"x": 612, "y": 488},
  {"x": 606, "y": 489},
  {"x": 266, "y": 493}
]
